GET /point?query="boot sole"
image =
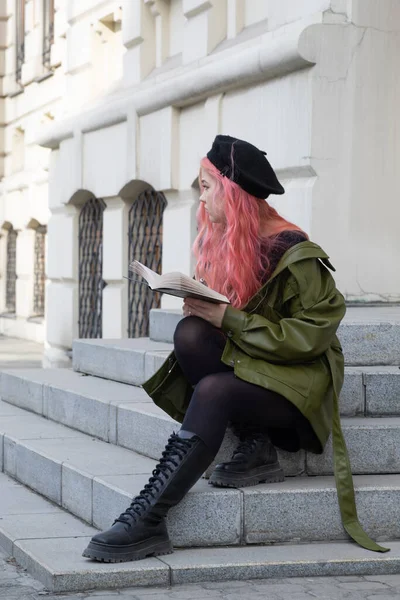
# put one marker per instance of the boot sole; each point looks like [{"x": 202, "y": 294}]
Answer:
[
  {"x": 115, "y": 554},
  {"x": 253, "y": 477}
]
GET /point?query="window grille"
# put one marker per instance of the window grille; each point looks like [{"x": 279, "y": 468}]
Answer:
[
  {"x": 20, "y": 38},
  {"x": 145, "y": 245},
  {"x": 91, "y": 282},
  {"x": 11, "y": 272},
  {"x": 48, "y": 32},
  {"x": 39, "y": 273}
]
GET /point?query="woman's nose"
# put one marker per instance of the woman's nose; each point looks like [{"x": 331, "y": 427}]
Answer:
[{"x": 202, "y": 199}]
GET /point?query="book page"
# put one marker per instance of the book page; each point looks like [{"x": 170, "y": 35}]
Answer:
[
  {"x": 176, "y": 284},
  {"x": 152, "y": 278}
]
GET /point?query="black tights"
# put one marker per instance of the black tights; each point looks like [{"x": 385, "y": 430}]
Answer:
[{"x": 220, "y": 397}]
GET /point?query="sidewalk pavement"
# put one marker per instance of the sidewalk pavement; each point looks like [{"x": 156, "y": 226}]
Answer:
[
  {"x": 16, "y": 353},
  {"x": 16, "y": 584}
]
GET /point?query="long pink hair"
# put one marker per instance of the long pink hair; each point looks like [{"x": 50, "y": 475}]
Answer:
[{"x": 233, "y": 257}]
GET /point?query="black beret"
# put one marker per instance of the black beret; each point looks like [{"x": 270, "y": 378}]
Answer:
[{"x": 246, "y": 165}]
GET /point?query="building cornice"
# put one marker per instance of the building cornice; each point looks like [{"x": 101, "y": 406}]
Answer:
[{"x": 273, "y": 54}]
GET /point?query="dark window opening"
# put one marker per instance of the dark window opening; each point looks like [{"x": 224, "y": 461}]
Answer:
[
  {"x": 11, "y": 271},
  {"x": 145, "y": 245},
  {"x": 91, "y": 282},
  {"x": 39, "y": 271}
]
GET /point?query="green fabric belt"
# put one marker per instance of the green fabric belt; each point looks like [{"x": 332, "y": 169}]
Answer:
[{"x": 344, "y": 479}]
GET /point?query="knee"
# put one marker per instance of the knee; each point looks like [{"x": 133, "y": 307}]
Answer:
[
  {"x": 188, "y": 333},
  {"x": 209, "y": 389}
]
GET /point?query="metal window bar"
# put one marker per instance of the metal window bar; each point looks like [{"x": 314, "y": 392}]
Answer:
[
  {"x": 91, "y": 282},
  {"x": 48, "y": 32},
  {"x": 11, "y": 271},
  {"x": 145, "y": 245},
  {"x": 39, "y": 271},
  {"x": 20, "y": 38}
]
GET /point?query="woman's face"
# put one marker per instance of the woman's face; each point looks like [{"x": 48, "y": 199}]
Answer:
[{"x": 213, "y": 203}]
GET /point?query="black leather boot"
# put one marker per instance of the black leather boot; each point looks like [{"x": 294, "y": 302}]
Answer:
[
  {"x": 141, "y": 531},
  {"x": 254, "y": 461}
]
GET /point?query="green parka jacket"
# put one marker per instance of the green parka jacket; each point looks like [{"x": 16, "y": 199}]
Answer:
[{"x": 285, "y": 340}]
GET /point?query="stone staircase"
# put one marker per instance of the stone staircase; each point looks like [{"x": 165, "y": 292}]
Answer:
[{"x": 76, "y": 445}]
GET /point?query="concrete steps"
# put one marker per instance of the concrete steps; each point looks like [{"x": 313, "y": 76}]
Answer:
[
  {"x": 369, "y": 334},
  {"x": 374, "y": 389},
  {"x": 48, "y": 542},
  {"x": 124, "y": 415},
  {"x": 86, "y": 441},
  {"x": 95, "y": 481}
]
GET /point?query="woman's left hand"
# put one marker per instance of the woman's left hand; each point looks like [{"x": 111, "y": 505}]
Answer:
[{"x": 213, "y": 313}]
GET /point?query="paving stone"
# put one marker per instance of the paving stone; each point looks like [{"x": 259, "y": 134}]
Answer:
[
  {"x": 61, "y": 568},
  {"x": 365, "y": 439}
]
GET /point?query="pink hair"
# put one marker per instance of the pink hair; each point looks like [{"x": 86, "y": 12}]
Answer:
[{"x": 233, "y": 257}]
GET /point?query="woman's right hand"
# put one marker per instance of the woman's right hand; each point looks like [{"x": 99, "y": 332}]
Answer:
[{"x": 185, "y": 309}]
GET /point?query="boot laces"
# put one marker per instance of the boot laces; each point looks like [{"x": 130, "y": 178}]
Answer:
[
  {"x": 248, "y": 444},
  {"x": 174, "y": 452}
]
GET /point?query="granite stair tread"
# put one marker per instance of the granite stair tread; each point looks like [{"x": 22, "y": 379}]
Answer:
[
  {"x": 369, "y": 334},
  {"x": 48, "y": 542},
  {"x": 95, "y": 480},
  {"x": 125, "y": 416}
]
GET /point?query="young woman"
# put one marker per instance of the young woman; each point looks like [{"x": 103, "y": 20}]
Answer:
[{"x": 269, "y": 363}]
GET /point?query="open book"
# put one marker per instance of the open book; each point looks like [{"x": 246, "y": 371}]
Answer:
[{"x": 177, "y": 284}]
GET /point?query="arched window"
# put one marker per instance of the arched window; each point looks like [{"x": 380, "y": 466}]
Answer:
[
  {"x": 11, "y": 271},
  {"x": 20, "y": 38},
  {"x": 48, "y": 32},
  {"x": 145, "y": 245},
  {"x": 39, "y": 271},
  {"x": 91, "y": 282}
]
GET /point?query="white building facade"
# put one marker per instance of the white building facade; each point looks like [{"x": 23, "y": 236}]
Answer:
[
  {"x": 147, "y": 84},
  {"x": 32, "y": 45}
]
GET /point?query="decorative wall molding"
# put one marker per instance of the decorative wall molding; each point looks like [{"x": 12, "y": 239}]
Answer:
[{"x": 272, "y": 55}]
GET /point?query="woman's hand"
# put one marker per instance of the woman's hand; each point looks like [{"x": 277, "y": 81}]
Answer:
[{"x": 213, "y": 313}]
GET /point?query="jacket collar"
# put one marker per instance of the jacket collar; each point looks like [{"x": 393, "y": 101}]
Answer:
[
  {"x": 300, "y": 252},
  {"x": 296, "y": 253}
]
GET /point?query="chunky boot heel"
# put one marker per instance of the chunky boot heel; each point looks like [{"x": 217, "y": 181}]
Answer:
[{"x": 109, "y": 553}]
